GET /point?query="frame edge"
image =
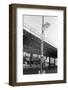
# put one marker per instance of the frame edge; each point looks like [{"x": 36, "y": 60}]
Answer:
[{"x": 12, "y": 45}]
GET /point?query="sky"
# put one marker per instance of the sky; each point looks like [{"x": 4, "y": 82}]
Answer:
[{"x": 34, "y": 23}]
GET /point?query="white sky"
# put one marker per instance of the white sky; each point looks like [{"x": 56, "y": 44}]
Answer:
[{"x": 50, "y": 33}]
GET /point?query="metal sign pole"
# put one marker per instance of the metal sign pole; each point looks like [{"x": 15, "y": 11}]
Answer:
[{"x": 42, "y": 43}]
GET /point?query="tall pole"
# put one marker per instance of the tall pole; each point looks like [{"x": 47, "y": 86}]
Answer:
[{"x": 42, "y": 43}]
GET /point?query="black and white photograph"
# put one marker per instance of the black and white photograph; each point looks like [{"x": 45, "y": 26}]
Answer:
[{"x": 40, "y": 44}]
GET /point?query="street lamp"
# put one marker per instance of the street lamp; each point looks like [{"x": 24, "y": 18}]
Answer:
[{"x": 44, "y": 26}]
